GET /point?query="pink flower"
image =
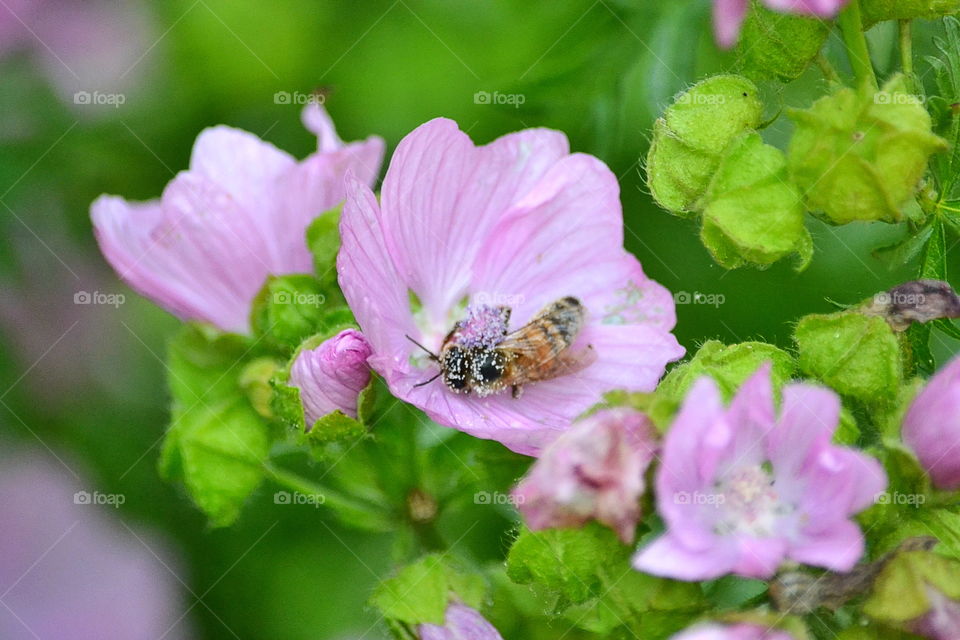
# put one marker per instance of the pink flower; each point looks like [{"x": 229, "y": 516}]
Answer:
[
  {"x": 70, "y": 569},
  {"x": 238, "y": 215},
  {"x": 331, "y": 376},
  {"x": 461, "y": 623},
  {"x": 734, "y": 632},
  {"x": 594, "y": 471},
  {"x": 462, "y": 231},
  {"x": 741, "y": 490},
  {"x": 932, "y": 427},
  {"x": 728, "y": 15}
]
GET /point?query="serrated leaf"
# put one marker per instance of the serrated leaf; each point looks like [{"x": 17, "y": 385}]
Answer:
[{"x": 420, "y": 592}]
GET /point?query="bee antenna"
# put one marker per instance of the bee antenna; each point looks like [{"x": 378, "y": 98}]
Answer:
[
  {"x": 433, "y": 356},
  {"x": 425, "y": 382}
]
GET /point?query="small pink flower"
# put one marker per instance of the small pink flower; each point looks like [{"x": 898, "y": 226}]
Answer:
[
  {"x": 461, "y": 623},
  {"x": 331, "y": 376},
  {"x": 932, "y": 427},
  {"x": 741, "y": 490},
  {"x": 732, "y": 632},
  {"x": 238, "y": 215},
  {"x": 521, "y": 223},
  {"x": 728, "y": 15},
  {"x": 594, "y": 471}
]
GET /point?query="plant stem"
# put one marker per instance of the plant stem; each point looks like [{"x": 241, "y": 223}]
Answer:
[
  {"x": 334, "y": 499},
  {"x": 851, "y": 26},
  {"x": 827, "y": 69},
  {"x": 906, "y": 52}
]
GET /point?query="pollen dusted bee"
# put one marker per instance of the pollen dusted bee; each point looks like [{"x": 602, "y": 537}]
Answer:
[{"x": 481, "y": 357}]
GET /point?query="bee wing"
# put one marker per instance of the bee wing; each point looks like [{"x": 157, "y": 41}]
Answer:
[
  {"x": 564, "y": 364},
  {"x": 540, "y": 359}
]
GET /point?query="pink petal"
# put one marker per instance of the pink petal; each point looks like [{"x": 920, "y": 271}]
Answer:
[
  {"x": 837, "y": 548},
  {"x": 752, "y": 411},
  {"x": 667, "y": 557},
  {"x": 728, "y": 16},
  {"x": 461, "y": 623},
  {"x": 760, "y": 557},
  {"x": 808, "y": 418},
  {"x": 441, "y": 227},
  {"x": 821, "y": 8}
]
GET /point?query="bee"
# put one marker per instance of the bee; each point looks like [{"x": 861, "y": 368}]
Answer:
[{"x": 479, "y": 355}]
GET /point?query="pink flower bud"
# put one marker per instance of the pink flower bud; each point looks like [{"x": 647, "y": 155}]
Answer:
[
  {"x": 932, "y": 427},
  {"x": 331, "y": 376},
  {"x": 734, "y": 632},
  {"x": 941, "y": 621},
  {"x": 461, "y": 623},
  {"x": 594, "y": 471}
]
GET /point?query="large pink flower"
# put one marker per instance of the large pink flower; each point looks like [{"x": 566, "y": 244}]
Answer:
[
  {"x": 728, "y": 15},
  {"x": 519, "y": 222},
  {"x": 741, "y": 490},
  {"x": 238, "y": 215}
]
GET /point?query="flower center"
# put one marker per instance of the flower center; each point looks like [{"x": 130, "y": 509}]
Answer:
[
  {"x": 483, "y": 327},
  {"x": 750, "y": 503}
]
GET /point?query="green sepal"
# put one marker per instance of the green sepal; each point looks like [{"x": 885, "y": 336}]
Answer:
[
  {"x": 217, "y": 443},
  {"x": 752, "y": 213},
  {"x": 856, "y": 355},
  {"x": 689, "y": 140},
  {"x": 291, "y": 308},
  {"x": 776, "y": 45},
  {"x": 860, "y": 155}
]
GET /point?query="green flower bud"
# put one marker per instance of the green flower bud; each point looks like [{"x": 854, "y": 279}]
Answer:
[
  {"x": 752, "y": 212},
  {"x": 911, "y": 585},
  {"x": 861, "y": 155},
  {"x": 857, "y": 355},
  {"x": 728, "y": 365},
  {"x": 689, "y": 140},
  {"x": 874, "y": 11},
  {"x": 777, "y": 45}
]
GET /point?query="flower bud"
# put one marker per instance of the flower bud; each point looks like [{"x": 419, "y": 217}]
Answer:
[
  {"x": 855, "y": 354},
  {"x": 460, "y": 623},
  {"x": 594, "y": 471},
  {"x": 331, "y": 376},
  {"x": 689, "y": 140},
  {"x": 777, "y": 45},
  {"x": 732, "y": 632},
  {"x": 919, "y": 592},
  {"x": 860, "y": 155},
  {"x": 752, "y": 213},
  {"x": 931, "y": 427}
]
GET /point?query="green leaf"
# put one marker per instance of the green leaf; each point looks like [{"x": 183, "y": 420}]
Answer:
[
  {"x": 874, "y": 11},
  {"x": 779, "y": 46},
  {"x": 217, "y": 443},
  {"x": 323, "y": 240},
  {"x": 420, "y": 592},
  {"x": 752, "y": 213},
  {"x": 689, "y": 140},
  {"x": 857, "y": 355},
  {"x": 861, "y": 155},
  {"x": 291, "y": 308}
]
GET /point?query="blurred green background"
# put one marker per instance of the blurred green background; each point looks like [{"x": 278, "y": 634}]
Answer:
[{"x": 86, "y": 382}]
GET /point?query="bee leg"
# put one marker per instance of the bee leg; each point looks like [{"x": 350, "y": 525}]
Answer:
[{"x": 517, "y": 391}]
